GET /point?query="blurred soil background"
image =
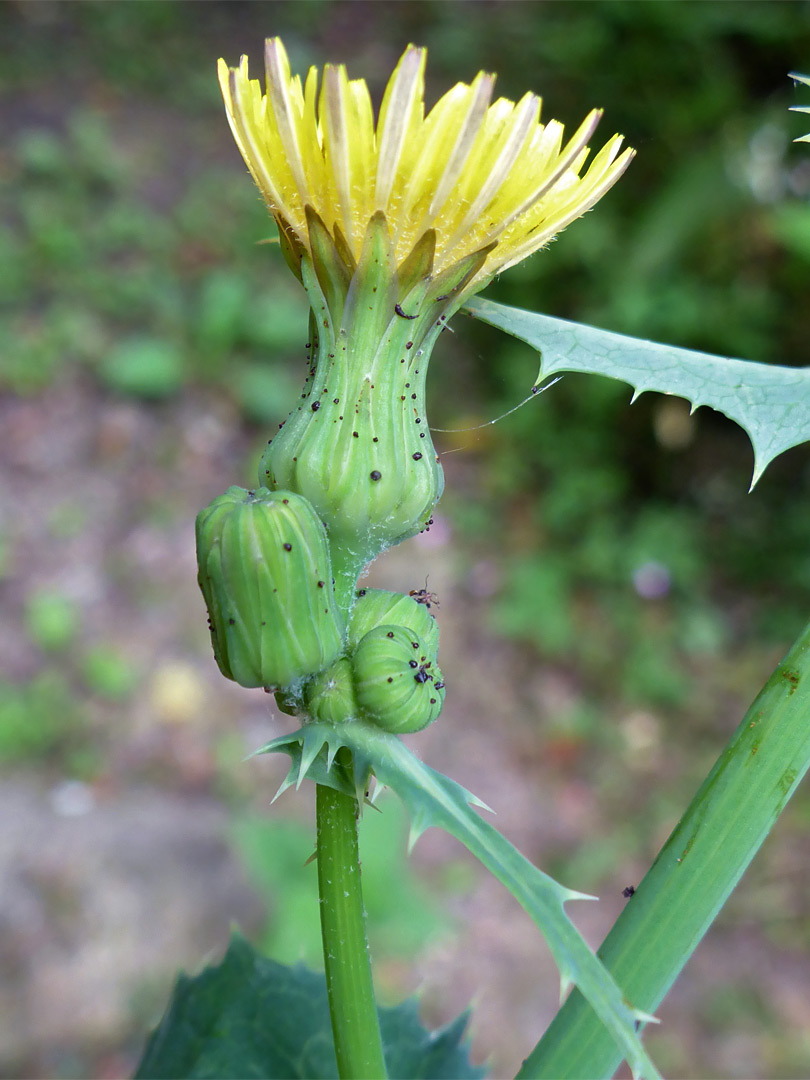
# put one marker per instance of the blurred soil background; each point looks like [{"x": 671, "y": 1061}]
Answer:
[{"x": 611, "y": 597}]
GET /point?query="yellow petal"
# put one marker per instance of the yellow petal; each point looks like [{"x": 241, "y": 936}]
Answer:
[
  {"x": 400, "y": 115},
  {"x": 481, "y": 174}
]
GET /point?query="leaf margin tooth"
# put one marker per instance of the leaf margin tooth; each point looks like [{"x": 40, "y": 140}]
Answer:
[{"x": 375, "y": 751}]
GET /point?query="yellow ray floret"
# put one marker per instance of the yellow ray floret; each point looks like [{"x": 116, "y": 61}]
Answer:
[{"x": 477, "y": 172}]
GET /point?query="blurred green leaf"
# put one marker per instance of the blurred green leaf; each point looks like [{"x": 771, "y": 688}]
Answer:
[
  {"x": 265, "y": 392},
  {"x": 253, "y": 1017},
  {"x": 536, "y": 604},
  {"x": 220, "y": 311},
  {"x": 143, "y": 367},
  {"x": 51, "y": 619},
  {"x": 37, "y": 717},
  {"x": 790, "y": 224},
  {"x": 403, "y": 916},
  {"x": 41, "y": 152},
  {"x": 108, "y": 673}
]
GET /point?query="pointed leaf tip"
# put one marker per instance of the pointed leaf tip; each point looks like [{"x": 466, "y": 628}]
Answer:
[
  {"x": 475, "y": 801},
  {"x": 573, "y": 894},
  {"x": 415, "y": 831},
  {"x": 286, "y": 783}
]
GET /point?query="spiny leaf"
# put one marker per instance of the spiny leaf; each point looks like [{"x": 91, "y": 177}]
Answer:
[
  {"x": 771, "y": 403},
  {"x": 433, "y": 799},
  {"x": 800, "y": 108},
  {"x": 249, "y": 1016}
]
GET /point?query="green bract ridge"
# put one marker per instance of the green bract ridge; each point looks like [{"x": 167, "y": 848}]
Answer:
[
  {"x": 358, "y": 444},
  {"x": 397, "y": 681},
  {"x": 389, "y": 674},
  {"x": 373, "y": 607},
  {"x": 266, "y": 576},
  {"x": 330, "y": 696}
]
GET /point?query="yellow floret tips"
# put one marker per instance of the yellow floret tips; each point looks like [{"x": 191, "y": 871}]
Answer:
[{"x": 482, "y": 174}]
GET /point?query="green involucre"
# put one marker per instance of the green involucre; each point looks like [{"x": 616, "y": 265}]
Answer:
[
  {"x": 407, "y": 691},
  {"x": 358, "y": 444},
  {"x": 266, "y": 575},
  {"x": 398, "y": 684},
  {"x": 329, "y": 697},
  {"x": 374, "y": 607}
]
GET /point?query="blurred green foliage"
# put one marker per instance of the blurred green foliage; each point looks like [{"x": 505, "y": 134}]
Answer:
[
  {"x": 51, "y": 620},
  {"x": 107, "y": 673},
  {"x": 404, "y": 915},
  {"x": 38, "y": 719}
]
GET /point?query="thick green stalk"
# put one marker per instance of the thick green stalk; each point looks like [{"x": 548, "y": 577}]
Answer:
[
  {"x": 695, "y": 872},
  {"x": 355, "y": 1026}
]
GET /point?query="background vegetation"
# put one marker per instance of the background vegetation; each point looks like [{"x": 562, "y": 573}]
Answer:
[{"x": 607, "y": 571}]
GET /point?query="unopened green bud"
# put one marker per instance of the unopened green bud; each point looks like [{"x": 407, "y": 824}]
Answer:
[
  {"x": 330, "y": 696},
  {"x": 266, "y": 575},
  {"x": 373, "y": 607},
  {"x": 398, "y": 684}
]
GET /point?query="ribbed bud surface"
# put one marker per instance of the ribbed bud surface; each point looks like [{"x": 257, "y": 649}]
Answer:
[
  {"x": 266, "y": 575},
  {"x": 398, "y": 684},
  {"x": 330, "y": 696},
  {"x": 374, "y": 607},
  {"x": 358, "y": 445}
]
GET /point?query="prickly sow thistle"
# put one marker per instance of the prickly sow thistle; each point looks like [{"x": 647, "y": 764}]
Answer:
[{"x": 390, "y": 227}]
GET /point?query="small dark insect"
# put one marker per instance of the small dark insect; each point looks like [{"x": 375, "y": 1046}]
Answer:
[
  {"x": 424, "y": 596},
  {"x": 402, "y": 314},
  {"x": 628, "y": 891}
]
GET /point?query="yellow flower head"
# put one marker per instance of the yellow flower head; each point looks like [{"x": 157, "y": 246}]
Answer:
[{"x": 480, "y": 174}]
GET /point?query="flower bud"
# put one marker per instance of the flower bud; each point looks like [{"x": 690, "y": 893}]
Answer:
[
  {"x": 398, "y": 685},
  {"x": 374, "y": 607},
  {"x": 265, "y": 573},
  {"x": 330, "y": 696}
]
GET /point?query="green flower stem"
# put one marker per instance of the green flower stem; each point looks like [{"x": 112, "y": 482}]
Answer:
[
  {"x": 355, "y": 1026},
  {"x": 695, "y": 872}
]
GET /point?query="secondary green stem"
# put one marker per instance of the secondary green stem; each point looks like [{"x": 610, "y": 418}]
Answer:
[
  {"x": 355, "y": 1025},
  {"x": 695, "y": 872}
]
